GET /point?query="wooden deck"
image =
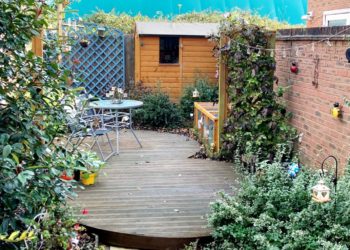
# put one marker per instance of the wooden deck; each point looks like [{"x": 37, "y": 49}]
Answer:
[{"x": 154, "y": 197}]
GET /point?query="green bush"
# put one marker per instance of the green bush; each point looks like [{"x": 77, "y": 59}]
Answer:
[
  {"x": 207, "y": 93},
  {"x": 157, "y": 112},
  {"x": 273, "y": 211}
]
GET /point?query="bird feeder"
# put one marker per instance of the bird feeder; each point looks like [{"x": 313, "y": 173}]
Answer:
[
  {"x": 320, "y": 192},
  {"x": 101, "y": 32},
  {"x": 195, "y": 93},
  {"x": 336, "y": 111}
]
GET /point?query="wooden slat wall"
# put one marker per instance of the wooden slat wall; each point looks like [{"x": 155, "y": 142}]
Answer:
[{"x": 196, "y": 59}]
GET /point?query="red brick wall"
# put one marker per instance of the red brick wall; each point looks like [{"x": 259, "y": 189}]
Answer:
[
  {"x": 322, "y": 134},
  {"x": 319, "y": 6}
]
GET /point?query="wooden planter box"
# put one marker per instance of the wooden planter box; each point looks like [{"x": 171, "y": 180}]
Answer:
[{"x": 206, "y": 122}]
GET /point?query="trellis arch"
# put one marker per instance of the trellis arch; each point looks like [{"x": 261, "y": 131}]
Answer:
[{"x": 99, "y": 66}]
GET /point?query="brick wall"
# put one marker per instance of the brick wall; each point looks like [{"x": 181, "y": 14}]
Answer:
[
  {"x": 319, "y": 6},
  {"x": 322, "y": 134}
]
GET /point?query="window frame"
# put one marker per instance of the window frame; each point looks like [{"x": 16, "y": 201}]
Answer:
[
  {"x": 178, "y": 52},
  {"x": 334, "y": 15}
]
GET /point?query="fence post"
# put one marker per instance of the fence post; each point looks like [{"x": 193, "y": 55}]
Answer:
[{"x": 222, "y": 91}]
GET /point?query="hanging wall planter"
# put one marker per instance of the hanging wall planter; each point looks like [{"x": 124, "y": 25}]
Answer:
[{"x": 84, "y": 43}]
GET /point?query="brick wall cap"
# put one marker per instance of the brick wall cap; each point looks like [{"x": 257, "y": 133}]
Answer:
[{"x": 314, "y": 33}]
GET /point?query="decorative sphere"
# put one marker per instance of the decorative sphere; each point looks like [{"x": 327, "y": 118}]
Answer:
[{"x": 293, "y": 169}]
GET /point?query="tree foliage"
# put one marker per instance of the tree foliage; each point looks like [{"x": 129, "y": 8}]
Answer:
[{"x": 126, "y": 22}]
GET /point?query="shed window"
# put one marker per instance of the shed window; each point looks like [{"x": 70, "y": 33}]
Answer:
[{"x": 169, "y": 50}]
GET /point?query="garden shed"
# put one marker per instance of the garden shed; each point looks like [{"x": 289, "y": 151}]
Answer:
[{"x": 171, "y": 55}]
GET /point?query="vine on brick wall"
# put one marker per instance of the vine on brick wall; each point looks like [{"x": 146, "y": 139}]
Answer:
[{"x": 257, "y": 124}]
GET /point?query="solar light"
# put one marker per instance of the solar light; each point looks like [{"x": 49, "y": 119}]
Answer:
[{"x": 195, "y": 93}]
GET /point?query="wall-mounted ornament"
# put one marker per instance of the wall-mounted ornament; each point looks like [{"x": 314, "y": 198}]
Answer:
[
  {"x": 336, "y": 111},
  {"x": 347, "y": 54},
  {"x": 316, "y": 72},
  {"x": 84, "y": 43},
  {"x": 294, "y": 68}
]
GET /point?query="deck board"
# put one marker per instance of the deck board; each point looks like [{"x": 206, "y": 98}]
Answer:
[{"x": 154, "y": 197}]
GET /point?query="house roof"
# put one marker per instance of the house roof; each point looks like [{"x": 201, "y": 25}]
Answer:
[{"x": 177, "y": 29}]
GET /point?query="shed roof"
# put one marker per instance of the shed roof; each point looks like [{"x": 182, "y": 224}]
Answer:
[{"x": 177, "y": 29}]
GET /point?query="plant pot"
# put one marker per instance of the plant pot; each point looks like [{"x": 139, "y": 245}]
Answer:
[
  {"x": 66, "y": 177},
  {"x": 84, "y": 43},
  {"x": 88, "y": 178}
]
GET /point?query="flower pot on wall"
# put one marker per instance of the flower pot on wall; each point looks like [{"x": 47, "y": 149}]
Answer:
[{"x": 84, "y": 43}]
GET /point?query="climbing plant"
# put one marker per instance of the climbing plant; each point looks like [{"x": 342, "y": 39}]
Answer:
[{"x": 257, "y": 122}]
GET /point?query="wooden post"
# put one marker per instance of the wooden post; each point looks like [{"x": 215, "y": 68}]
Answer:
[
  {"x": 222, "y": 92},
  {"x": 37, "y": 45},
  {"x": 181, "y": 63},
  {"x": 137, "y": 58},
  {"x": 60, "y": 10}
]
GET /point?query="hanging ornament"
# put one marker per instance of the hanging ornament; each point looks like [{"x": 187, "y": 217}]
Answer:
[
  {"x": 284, "y": 53},
  {"x": 347, "y": 53},
  {"x": 328, "y": 43},
  {"x": 313, "y": 47},
  {"x": 294, "y": 68},
  {"x": 297, "y": 52}
]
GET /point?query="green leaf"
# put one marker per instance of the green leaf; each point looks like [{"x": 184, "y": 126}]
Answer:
[
  {"x": 15, "y": 157},
  {"x": 6, "y": 151},
  {"x": 24, "y": 176}
]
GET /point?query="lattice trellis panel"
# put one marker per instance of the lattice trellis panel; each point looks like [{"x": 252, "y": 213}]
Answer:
[{"x": 99, "y": 66}]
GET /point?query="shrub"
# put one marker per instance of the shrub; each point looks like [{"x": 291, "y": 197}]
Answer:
[
  {"x": 157, "y": 112},
  {"x": 273, "y": 211},
  {"x": 207, "y": 93}
]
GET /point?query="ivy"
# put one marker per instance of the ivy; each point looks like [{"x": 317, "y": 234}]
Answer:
[{"x": 257, "y": 122}]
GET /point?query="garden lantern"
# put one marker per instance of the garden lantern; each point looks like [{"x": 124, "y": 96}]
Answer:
[
  {"x": 320, "y": 192},
  {"x": 195, "y": 93},
  {"x": 101, "y": 32}
]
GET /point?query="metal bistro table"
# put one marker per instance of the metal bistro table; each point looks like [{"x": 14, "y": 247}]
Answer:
[{"x": 104, "y": 105}]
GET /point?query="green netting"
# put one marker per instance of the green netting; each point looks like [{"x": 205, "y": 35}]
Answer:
[{"x": 283, "y": 10}]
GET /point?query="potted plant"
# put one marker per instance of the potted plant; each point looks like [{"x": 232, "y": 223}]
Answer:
[
  {"x": 84, "y": 43},
  {"x": 93, "y": 165}
]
